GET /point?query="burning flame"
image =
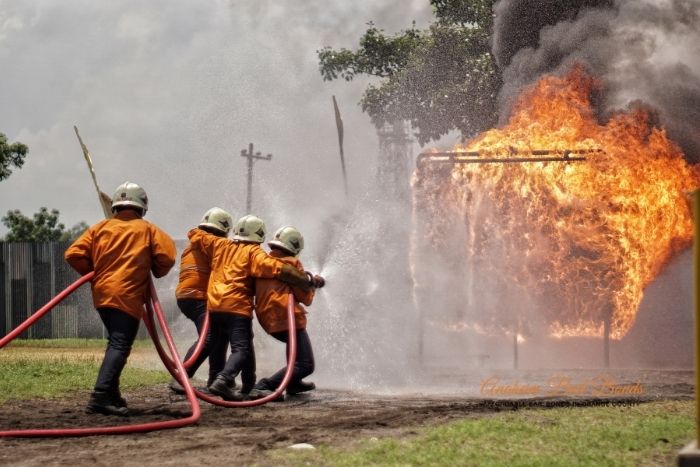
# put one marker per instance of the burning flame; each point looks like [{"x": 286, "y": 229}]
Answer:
[{"x": 580, "y": 240}]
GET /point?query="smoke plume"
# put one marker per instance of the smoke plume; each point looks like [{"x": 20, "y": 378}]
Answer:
[{"x": 644, "y": 50}]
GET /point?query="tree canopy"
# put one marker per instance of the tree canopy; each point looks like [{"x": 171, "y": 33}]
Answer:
[
  {"x": 43, "y": 227},
  {"x": 440, "y": 79},
  {"x": 11, "y": 155}
]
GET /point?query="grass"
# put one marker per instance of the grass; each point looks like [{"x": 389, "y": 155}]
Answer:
[
  {"x": 645, "y": 434},
  {"x": 71, "y": 343},
  {"x": 51, "y": 368}
]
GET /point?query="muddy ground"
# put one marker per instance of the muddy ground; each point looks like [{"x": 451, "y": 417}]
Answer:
[{"x": 242, "y": 436}]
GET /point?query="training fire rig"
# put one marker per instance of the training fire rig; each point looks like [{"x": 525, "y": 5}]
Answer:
[{"x": 512, "y": 156}]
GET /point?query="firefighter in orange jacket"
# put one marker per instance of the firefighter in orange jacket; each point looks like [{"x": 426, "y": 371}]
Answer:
[
  {"x": 271, "y": 298},
  {"x": 191, "y": 294},
  {"x": 234, "y": 266},
  {"x": 123, "y": 251}
]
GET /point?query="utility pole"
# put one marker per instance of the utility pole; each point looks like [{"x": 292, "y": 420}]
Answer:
[{"x": 251, "y": 157}]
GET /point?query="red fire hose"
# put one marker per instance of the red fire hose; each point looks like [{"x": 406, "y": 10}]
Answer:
[
  {"x": 45, "y": 309},
  {"x": 200, "y": 341},
  {"x": 172, "y": 363},
  {"x": 169, "y": 364},
  {"x": 113, "y": 430}
]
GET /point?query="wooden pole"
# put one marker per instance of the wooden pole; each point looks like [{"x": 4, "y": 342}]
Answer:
[
  {"x": 696, "y": 298},
  {"x": 339, "y": 126},
  {"x": 249, "y": 191},
  {"x": 251, "y": 156},
  {"x": 105, "y": 200}
]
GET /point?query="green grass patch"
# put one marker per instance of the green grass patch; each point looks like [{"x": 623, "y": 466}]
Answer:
[
  {"x": 71, "y": 343},
  {"x": 29, "y": 379},
  {"x": 55, "y": 367},
  {"x": 645, "y": 434}
]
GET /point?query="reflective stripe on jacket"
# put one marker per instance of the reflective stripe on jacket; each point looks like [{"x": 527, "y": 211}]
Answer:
[
  {"x": 271, "y": 297},
  {"x": 122, "y": 251},
  {"x": 234, "y": 267}
]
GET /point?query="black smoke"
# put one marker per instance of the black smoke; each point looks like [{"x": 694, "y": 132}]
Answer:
[
  {"x": 645, "y": 50},
  {"x": 518, "y": 23}
]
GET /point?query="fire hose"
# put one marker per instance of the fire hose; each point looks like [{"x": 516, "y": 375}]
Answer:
[
  {"x": 111, "y": 430},
  {"x": 45, "y": 309},
  {"x": 173, "y": 364},
  {"x": 169, "y": 364},
  {"x": 201, "y": 340}
]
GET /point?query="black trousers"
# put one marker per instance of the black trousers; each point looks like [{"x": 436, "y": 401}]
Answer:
[
  {"x": 236, "y": 331},
  {"x": 303, "y": 365},
  {"x": 196, "y": 311},
  {"x": 121, "y": 331}
]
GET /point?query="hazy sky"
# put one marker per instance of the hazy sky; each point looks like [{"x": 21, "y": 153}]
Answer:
[{"x": 167, "y": 93}]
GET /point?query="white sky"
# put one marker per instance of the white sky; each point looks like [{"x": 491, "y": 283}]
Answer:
[{"x": 167, "y": 93}]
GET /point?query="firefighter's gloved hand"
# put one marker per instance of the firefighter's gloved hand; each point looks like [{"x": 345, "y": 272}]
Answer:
[
  {"x": 294, "y": 277},
  {"x": 315, "y": 281},
  {"x": 318, "y": 281},
  {"x": 309, "y": 279}
]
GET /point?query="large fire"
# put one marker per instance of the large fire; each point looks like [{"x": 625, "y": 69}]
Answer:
[{"x": 579, "y": 240}]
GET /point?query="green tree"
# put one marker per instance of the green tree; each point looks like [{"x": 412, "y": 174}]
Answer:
[
  {"x": 43, "y": 227},
  {"x": 75, "y": 231},
  {"x": 11, "y": 155},
  {"x": 440, "y": 79}
]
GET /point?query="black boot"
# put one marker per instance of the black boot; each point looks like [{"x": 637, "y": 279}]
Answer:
[
  {"x": 220, "y": 387},
  {"x": 118, "y": 399},
  {"x": 176, "y": 387},
  {"x": 106, "y": 403},
  {"x": 263, "y": 387},
  {"x": 232, "y": 384},
  {"x": 263, "y": 383},
  {"x": 300, "y": 386},
  {"x": 255, "y": 394}
]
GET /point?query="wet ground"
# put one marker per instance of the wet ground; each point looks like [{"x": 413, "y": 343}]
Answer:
[{"x": 331, "y": 417}]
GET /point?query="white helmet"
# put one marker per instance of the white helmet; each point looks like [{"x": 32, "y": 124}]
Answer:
[
  {"x": 289, "y": 239},
  {"x": 218, "y": 219},
  {"x": 250, "y": 229},
  {"x": 130, "y": 194}
]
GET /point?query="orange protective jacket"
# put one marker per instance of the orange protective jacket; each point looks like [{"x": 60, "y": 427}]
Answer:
[
  {"x": 122, "y": 251},
  {"x": 271, "y": 298},
  {"x": 194, "y": 274},
  {"x": 234, "y": 267}
]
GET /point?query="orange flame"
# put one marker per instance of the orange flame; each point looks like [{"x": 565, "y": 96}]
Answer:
[{"x": 579, "y": 240}]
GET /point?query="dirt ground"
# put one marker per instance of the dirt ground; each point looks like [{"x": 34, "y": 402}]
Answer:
[{"x": 243, "y": 436}]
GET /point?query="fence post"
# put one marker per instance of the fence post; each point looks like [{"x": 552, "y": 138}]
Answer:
[
  {"x": 4, "y": 302},
  {"x": 41, "y": 287}
]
